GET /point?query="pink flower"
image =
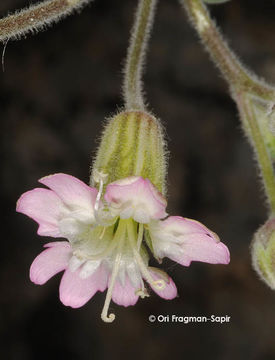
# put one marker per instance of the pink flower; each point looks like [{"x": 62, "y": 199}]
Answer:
[{"x": 105, "y": 247}]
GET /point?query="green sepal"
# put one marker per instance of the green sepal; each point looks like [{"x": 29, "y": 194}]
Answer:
[{"x": 132, "y": 144}]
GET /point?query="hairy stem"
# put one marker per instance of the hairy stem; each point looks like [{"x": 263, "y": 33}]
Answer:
[
  {"x": 248, "y": 117},
  {"x": 245, "y": 87},
  {"x": 231, "y": 67},
  {"x": 36, "y": 17},
  {"x": 133, "y": 94}
]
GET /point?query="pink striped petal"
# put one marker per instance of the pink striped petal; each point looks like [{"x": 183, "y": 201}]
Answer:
[
  {"x": 56, "y": 243},
  {"x": 43, "y": 206},
  {"x": 185, "y": 240},
  {"x": 170, "y": 290},
  {"x": 124, "y": 295},
  {"x": 72, "y": 191},
  {"x": 202, "y": 248},
  {"x": 50, "y": 262},
  {"x": 76, "y": 292},
  {"x": 137, "y": 198},
  {"x": 183, "y": 226}
]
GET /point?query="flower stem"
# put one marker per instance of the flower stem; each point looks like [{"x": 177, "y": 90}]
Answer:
[
  {"x": 133, "y": 93},
  {"x": 265, "y": 163},
  {"x": 36, "y": 17},
  {"x": 246, "y": 89},
  {"x": 230, "y": 66}
]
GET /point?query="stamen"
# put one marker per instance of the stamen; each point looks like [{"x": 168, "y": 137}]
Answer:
[
  {"x": 142, "y": 293},
  {"x": 103, "y": 232},
  {"x": 102, "y": 214},
  {"x": 157, "y": 284},
  {"x": 101, "y": 179},
  {"x": 142, "y": 284},
  {"x": 140, "y": 235}
]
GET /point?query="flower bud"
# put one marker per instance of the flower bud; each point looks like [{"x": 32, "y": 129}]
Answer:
[
  {"x": 132, "y": 144},
  {"x": 263, "y": 253}
]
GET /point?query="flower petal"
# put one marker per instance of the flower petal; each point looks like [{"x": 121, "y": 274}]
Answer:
[
  {"x": 124, "y": 295},
  {"x": 76, "y": 292},
  {"x": 43, "y": 206},
  {"x": 75, "y": 263},
  {"x": 89, "y": 268},
  {"x": 72, "y": 191},
  {"x": 71, "y": 228},
  {"x": 50, "y": 262},
  {"x": 137, "y": 198},
  {"x": 184, "y": 226},
  {"x": 203, "y": 248},
  {"x": 185, "y": 240},
  {"x": 170, "y": 290}
]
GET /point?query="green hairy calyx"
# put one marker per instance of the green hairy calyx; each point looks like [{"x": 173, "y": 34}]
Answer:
[{"x": 132, "y": 144}]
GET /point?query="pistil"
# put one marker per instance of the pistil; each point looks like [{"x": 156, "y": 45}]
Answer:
[{"x": 119, "y": 240}]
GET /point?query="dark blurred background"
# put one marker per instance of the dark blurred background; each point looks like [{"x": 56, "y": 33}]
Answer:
[{"x": 56, "y": 91}]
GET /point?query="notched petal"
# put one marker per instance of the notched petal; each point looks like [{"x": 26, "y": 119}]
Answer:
[
  {"x": 185, "y": 240},
  {"x": 72, "y": 191},
  {"x": 76, "y": 292},
  {"x": 50, "y": 262},
  {"x": 124, "y": 295},
  {"x": 43, "y": 206},
  {"x": 136, "y": 197}
]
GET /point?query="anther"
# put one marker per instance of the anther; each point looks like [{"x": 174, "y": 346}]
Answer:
[
  {"x": 142, "y": 293},
  {"x": 99, "y": 176},
  {"x": 159, "y": 284}
]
